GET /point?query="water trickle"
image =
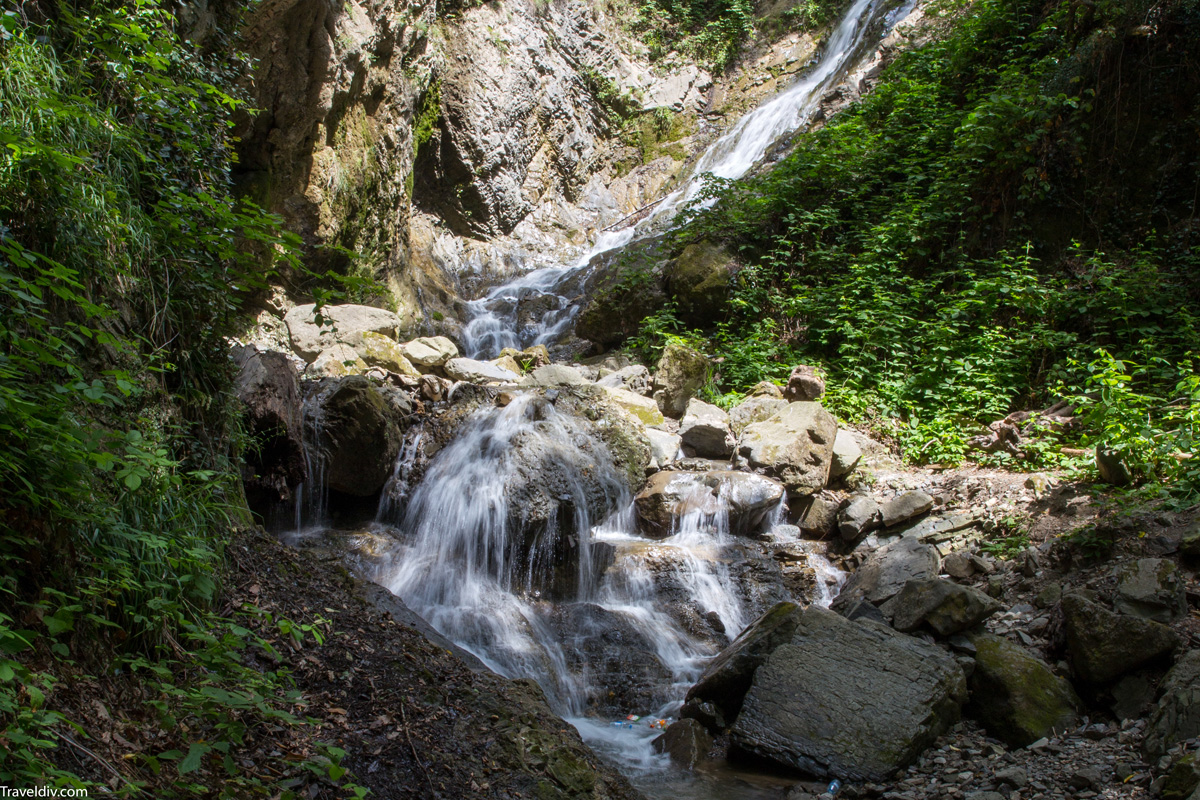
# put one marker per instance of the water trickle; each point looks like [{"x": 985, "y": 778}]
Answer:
[{"x": 312, "y": 496}]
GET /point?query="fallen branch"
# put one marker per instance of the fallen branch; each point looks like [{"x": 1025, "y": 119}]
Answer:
[{"x": 95, "y": 758}]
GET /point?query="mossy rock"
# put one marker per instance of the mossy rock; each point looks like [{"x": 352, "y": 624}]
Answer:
[
  {"x": 698, "y": 279},
  {"x": 1015, "y": 695}
]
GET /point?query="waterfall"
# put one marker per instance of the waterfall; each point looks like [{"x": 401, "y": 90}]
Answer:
[{"x": 494, "y": 321}]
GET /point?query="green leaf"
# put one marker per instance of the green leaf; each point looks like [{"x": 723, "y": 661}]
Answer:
[{"x": 191, "y": 762}]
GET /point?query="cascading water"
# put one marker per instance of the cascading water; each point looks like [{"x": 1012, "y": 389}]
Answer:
[{"x": 502, "y": 318}]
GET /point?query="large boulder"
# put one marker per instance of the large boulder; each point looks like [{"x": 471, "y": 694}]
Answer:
[
  {"x": 358, "y": 434},
  {"x": 681, "y": 372},
  {"x": 727, "y": 678},
  {"x": 1105, "y": 645},
  {"x": 1151, "y": 588},
  {"x": 705, "y": 429},
  {"x": 668, "y": 496},
  {"x": 344, "y": 324},
  {"x": 269, "y": 389},
  {"x": 699, "y": 280},
  {"x": 663, "y": 447},
  {"x": 756, "y": 408},
  {"x": 429, "y": 351},
  {"x": 1177, "y": 715},
  {"x": 887, "y": 570},
  {"x": 795, "y": 446},
  {"x": 944, "y": 606},
  {"x": 858, "y": 518},
  {"x": 472, "y": 371},
  {"x": 1015, "y": 695},
  {"x": 852, "y": 700}
]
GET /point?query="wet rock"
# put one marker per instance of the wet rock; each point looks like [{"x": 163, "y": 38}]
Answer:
[
  {"x": 888, "y": 569},
  {"x": 269, "y": 389},
  {"x": 345, "y": 324},
  {"x": 817, "y": 516},
  {"x": 472, "y": 371},
  {"x": 944, "y": 606},
  {"x": 756, "y": 408},
  {"x": 1104, "y": 645},
  {"x": 338, "y": 361},
  {"x": 728, "y": 676},
  {"x": 852, "y": 700},
  {"x": 685, "y": 741},
  {"x": 555, "y": 375},
  {"x": 670, "y": 495},
  {"x": 1151, "y": 588},
  {"x": 380, "y": 350},
  {"x": 433, "y": 388},
  {"x": 663, "y": 447},
  {"x": 846, "y": 454},
  {"x": 643, "y": 408},
  {"x": 680, "y": 373},
  {"x": 635, "y": 378},
  {"x": 904, "y": 508},
  {"x": 1016, "y": 696},
  {"x": 795, "y": 446},
  {"x": 429, "y": 351},
  {"x": 858, "y": 518},
  {"x": 359, "y": 435},
  {"x": 1177, "y": 715},
  {"x": 699, "y": 280},
  {"x": 705, "y": 429},
  {"x": 804, "y": 384}
]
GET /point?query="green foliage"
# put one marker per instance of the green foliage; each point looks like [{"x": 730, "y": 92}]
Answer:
[
  {"x": 919, "y": 247},
  {"x": 124, "y": 258},
  {"x": 709, "y": 30}
]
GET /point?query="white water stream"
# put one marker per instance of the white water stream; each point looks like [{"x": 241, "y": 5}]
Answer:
[{"x": 494, "y": 322}]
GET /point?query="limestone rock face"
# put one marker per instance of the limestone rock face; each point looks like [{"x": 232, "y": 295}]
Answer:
[
  {"x": 681, "y": 372},
  {"x": 556, "y": 375},
  {"x": 1015, "y": 695},
  {"x": 795, "y": 446},
  {"x": 1105, "y": 645},
  {"x": 347, "y": 324},
  {"x": 858, "y": 518},
  {"x": 905, "y": 507},
  {"x": 1177, "y": 715},
  {"x": 635, "y": 378},
  {"x": 705, "y": 429},
  {"x": 663, "y": 447},
  {"x": 848, "y": 699},
  {"x": 645, "y": 409}
]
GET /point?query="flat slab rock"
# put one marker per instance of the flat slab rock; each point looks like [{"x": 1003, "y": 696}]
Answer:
[{"x": 854, "y": 700}]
